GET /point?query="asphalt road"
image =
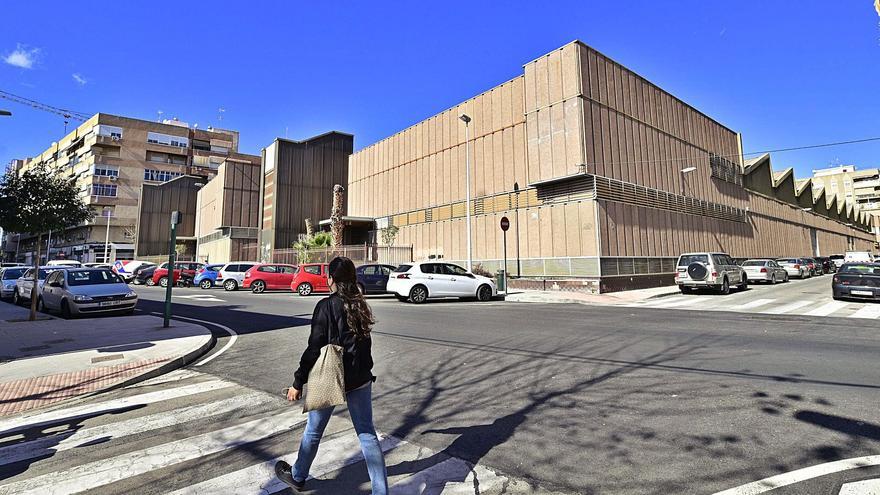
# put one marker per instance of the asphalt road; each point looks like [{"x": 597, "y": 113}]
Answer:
[{"x": 591, "y": 399}]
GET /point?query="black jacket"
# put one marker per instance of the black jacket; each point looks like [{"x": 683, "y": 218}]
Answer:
[{"x": 357, "y": 360}]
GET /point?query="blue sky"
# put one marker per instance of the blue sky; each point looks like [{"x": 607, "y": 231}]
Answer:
[{"x": 782, "y": 73}]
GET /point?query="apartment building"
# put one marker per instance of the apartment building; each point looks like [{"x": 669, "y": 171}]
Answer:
[
  {"x": 112, "y": 158},
  {"x": 836, "y": 181},
  {"x": 859, "y": 188},
  {"x": 605, "y": 177}
]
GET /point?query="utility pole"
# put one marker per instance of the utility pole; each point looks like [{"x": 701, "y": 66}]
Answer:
[
  {"x": 172, "y": 252},
  {"x": 467, "y": 153}
]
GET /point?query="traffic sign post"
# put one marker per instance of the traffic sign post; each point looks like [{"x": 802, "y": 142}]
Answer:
[
  {"x": 172, "y": 252},
  {"x": 505, "y": 226}
]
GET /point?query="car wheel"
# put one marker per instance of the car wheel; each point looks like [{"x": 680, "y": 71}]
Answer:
[
  {"x": 206, "y": 284},
  {"x": 16, "y": 299},
  {"x": 258, "y": 287},
  {"x": 684, "y": 290},
  {"x": 149, "y": 282},
  {"x": 163, "y": 282},
  {"x": 65, "y": 309},
  {"x": 418, "y": 294},
  {"x": 135, "y": 281},
  {"x": 725, "y": 288},
  {"x": 230, "y": 285},
  {"x": 40, "y": 306},
  {"x": 743, "y": 285},
  {"x": 304, "y": 289},
  {"x": 362, "y": 289},
  {"x": 484, "y": 293},
  {"x": 773, "y": 279}
]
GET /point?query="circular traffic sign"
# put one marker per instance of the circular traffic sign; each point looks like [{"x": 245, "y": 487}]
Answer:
[{"x": 505, "y": 224}]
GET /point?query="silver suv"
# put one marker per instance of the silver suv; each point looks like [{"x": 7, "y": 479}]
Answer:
[{"x": 715, "y": 271}]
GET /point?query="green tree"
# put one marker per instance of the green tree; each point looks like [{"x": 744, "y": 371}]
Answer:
[
  {"x": 389, "y": 234},
  {"x": 37, "y": 201},
  {"x": 305, "y": 246}
]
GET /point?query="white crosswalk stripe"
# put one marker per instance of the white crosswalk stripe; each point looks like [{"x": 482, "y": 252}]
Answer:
[
  {"x": 676, "y": 303},
  {"x": 170, "y": 424},
  {"x": 787, "y": 308},
  {"x": 827, "y": 308},
  {"x": 865, "y": 487},
  {"x": 756, "y": 303},
  {"x": 867, "y": 311}
]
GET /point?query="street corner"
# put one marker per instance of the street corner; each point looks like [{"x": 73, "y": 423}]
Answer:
[{"x": 55, "y": 360}]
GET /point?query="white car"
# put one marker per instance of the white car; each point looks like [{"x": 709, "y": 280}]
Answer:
[
  {"x": 25, "y": 283},
  {"x": 67, "y": 263},
  {"x": 419, "y": 282},
  {"x": 795, "y": 267},
  {"x": 858, "y": 257},
  {"x": 231, "y": 275},
  {"x": 764, "y": 270},
  {"x": 126, "y": 268},
  {"x": 84, "y": 291}
]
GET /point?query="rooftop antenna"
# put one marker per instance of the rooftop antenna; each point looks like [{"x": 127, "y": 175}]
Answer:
[
  {"x": 220, "y": 113},
  {"x": 159, "y": 114}
]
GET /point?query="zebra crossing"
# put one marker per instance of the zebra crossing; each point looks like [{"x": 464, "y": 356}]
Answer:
[
  {"x": 808, "y": 306},
  {"x": 192, "y": 433}
]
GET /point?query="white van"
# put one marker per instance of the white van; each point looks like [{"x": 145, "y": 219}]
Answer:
[
  {"x": 857, "y": 257},
  {"x": 73, "y": 263}
]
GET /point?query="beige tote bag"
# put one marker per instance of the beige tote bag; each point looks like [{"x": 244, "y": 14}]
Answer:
[{"x": 326, "y": 385}]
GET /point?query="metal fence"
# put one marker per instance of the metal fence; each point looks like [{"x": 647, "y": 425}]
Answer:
[{"x": 359, "y": 254}]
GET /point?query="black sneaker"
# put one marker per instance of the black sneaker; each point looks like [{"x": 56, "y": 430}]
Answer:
[{"x": 283, "y": 472}]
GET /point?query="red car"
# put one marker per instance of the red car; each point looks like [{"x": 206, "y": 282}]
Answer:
[
  {"x": 160, "y": 276},
  {"x": 310, "y": 278},
  {"x": 268, "y": 276}
]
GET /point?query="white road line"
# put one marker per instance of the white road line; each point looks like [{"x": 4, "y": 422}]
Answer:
[
  {"x": 787, "y": 308},
  {"x": 785, "y": 479},
  {"x": 335, "y": 453},
  {"x": 77, "y": 412},
  {"x": 676, "y": 303},
  {"x": 232, "y": 337},
  {"x": 865, "y": 487},
  {"x": 100, "y": 473},
  {"x": 171, "y": 376},
  {"x": 827, "y": 309},
  {"x": 755, "y": 303},
  {"x": 868, "y": 311},
  {"x": 66, "y": 440}
]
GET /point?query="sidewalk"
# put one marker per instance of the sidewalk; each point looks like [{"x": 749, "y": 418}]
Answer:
[
  {"x": 51, "y": 360},
  {"x": 558, "y": 296}
]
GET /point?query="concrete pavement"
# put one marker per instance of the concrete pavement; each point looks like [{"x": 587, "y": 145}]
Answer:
[
  {"x": 51, "y": 360},
  {"x": 560, "y": 296}
]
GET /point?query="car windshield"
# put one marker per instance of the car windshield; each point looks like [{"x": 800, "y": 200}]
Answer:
[
  {"x": 693, "y": 258},
  {"x": 44, "y": 273},
  {"x": 91, "y": 277},
  {"x": 13, "y": 273},
  {"x": 755, "y": 263},
  {"x": 403, "y": 268},
  {"x": 861, "y": 269}
]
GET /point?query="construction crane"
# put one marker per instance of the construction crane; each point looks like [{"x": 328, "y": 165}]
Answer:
[{"x": 67, "y": 114}]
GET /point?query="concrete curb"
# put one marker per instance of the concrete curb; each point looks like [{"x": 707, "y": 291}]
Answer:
[{"x": 172, "y": 365}]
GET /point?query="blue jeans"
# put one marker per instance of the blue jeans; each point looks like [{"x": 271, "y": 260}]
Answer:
[{"x": 360, "y": 408}]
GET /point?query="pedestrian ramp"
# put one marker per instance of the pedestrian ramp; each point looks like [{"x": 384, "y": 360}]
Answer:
[
  {"x": 770, "y": 306},
  {"x": 191, "y": 433}
]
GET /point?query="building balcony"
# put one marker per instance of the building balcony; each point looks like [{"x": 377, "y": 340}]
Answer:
[{"x": 106, "y": 141}]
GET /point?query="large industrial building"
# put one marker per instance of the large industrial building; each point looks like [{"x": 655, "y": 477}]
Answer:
[{"x": 605, "y": 177}]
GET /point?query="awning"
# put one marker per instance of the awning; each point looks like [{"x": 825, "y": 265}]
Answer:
[{"x": 347, "y": 219}]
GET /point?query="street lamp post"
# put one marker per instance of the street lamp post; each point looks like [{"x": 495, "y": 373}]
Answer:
[
  {"x": 681, "y": 176},
  {"x": 108, "y": 213},
  {"x": 467, "y": 153},
  {"x": 516, "y": 227}
]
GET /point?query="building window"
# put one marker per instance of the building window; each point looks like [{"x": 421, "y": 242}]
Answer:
[
  {"x": 108, "y": 190},
  {"x": 109, "y": 131},
  {"x": 199, "y": 144},
  {"x": 155, "y": 157},
  {"x": 167, "y": 139},
  {"x": 106, "y": 170},
  {"x": 159, "y": 175}
]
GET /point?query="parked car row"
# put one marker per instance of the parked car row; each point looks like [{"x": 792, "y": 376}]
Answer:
[{"x": 69, "y": 290}]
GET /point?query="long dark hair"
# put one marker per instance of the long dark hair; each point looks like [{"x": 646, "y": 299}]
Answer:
[{"x": 357, "y": 311}]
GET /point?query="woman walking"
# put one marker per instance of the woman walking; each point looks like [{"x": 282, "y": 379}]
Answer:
[{"x": 347, "y": 316}]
